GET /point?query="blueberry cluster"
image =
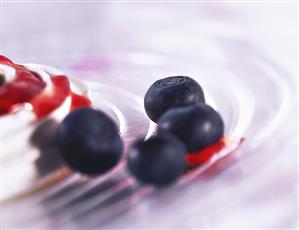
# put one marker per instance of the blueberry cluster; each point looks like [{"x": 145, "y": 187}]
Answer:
[{"x": 90, "y": 142}]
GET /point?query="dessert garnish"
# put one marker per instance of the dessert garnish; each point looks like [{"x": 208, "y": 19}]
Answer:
[
  {"x": 170, "y": 92},
  {"x": 196, "y": 126},
  {"x": 160, "y": 160},
  {"x": 32, "y": 95},
  {"x": 89, "y": 141},
  {"x": 189, "y": 132},
  {"x": 186, "y": 126},
  {"x": 44, "y": 92}
]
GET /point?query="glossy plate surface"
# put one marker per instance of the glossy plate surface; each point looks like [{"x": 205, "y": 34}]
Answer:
[{"x": 118, "y": 50}]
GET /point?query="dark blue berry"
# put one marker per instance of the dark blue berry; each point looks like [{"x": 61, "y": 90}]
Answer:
[
  {"x": 89, "y": 141},
  {"x": 2, "y": 79},
  {"x": 160, "y": 160},
  {"x": 196, "y": 126},
  {"x": 170, "y": 92}
]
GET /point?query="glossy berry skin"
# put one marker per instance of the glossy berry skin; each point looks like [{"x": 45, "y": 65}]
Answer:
[
  {"x": 89, "y": 141},
  {"x": 159, "y": 161},
  {"x": 196, "y": 126},
  {"x": 2, "y": 79},
  {"x": 170, "y": 92}
]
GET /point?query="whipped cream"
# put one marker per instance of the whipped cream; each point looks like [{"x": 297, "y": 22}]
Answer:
[
  {"x": 19, "y": 155},
  {"x": 7, "y": 71}
]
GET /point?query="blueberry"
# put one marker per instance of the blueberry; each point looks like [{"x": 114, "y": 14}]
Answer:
[
  {"x": 2, "y": 79},
  {"x": 196, "y": 126},
  {"x": 166, "y": 93},
  {"x": 160, "y": 160},
  {"x": 89, "y": 141}
]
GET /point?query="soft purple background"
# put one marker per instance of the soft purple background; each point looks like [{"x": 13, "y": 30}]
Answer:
[{"x": 129, "y": 44}]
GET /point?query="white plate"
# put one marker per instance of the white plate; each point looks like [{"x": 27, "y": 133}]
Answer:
[{"x": 237, "y": 52}]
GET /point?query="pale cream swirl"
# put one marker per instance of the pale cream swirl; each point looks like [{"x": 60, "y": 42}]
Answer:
[{"x": 19, "y": 154}]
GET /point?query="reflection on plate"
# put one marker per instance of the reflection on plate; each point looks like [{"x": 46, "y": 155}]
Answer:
[
  {"x": 74, "y": 200},
  {"x": 119, "y": 50}
]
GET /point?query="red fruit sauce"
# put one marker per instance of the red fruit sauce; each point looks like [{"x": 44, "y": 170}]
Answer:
[
  {"x": 28, "y": 86},
  {"x": 205, "y": 154},
  {"x": 5, "y": 60},
  {"x": 202, "y": 156}
]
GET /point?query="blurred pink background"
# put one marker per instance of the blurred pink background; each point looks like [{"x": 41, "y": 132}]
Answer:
[{"x": 129, "y": 44}]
